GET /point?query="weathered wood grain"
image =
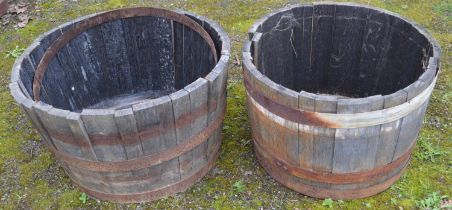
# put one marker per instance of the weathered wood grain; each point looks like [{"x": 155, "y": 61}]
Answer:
[
  {"x": 180, "y": 76},
  {"x": 118, "y": 60},
  {"x": 99, "y": 125},
  {"x": 277, "y": 40},
  {"x": 155, "y": 120},
  {"x": 376, "y": 36},
  {"x": 361, "y": 143},
  {"x": 198, "y": 94},
  {"x": 54, "y": 121},
  {"x": 181, "y": 109},
  {"x": 322, "y": 32},
  {"x": 347, "y": 40},
  {"x": 355, "y": 148},
  {"x": 80, "y": 136},
  {"x": 128, "y": 130}
]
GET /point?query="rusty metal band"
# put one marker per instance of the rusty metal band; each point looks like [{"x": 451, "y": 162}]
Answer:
[
  {"x": 295, "y": 183},
  {"x": 126, "y": 178},
  {"x": 337, "y": 120},
  {"x": 145, "y": 161},
  {"x": 132, "y": 138},
  {"x": 299, "y": 116},
  {"x": 328, "y": 177},
  {"x": 96, "y": 20},
  {"x": 155, "y": 194}
]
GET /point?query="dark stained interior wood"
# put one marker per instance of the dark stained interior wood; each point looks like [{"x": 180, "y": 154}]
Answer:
[
  {"x": 117, "y": 62},
  {"x": 341, "y": 50}
]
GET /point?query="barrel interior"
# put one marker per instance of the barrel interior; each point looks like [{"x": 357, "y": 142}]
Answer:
[
  {"x": 120, "y": 62},
  {"x": 340, "y": 50}
]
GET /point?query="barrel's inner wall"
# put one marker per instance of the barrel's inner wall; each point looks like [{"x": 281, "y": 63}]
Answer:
[
  {"x": 338, "y": 49},
  {"x": 121, "y": 61}
]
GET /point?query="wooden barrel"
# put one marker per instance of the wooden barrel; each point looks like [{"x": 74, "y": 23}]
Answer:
[
  {"x": 131, "y": 101},
  {"x": 336, "y": 96},
  {"x": 3, "y": 7}
]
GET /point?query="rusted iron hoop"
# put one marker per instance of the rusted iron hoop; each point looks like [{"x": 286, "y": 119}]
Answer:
[
  {"x": 145, "y": 161},
  {"x": 96, "y": 20},
  {"x": 288, "y": 181},
  {"x": 180, "y": 186},
  {"x": 328, "y": 177},
  {"x": 334, "y": 120}
]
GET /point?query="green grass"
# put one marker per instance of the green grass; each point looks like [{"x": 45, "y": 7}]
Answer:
[{"x": 37, "y": 181}]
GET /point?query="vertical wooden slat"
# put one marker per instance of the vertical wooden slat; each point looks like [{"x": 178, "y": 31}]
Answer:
[
  {"x": 181, "y": 110},
  {"x": 343, "y": 73},
  {"x": 355, "y": 148},
  {"x": 217, "y": 79},
  {"x": 162, "y": 59},
  {"x": 27, "y": 105},
  {"x": 306, "y": 102},
  {"x": 198, "y": 93},
  {"x": 322, "y": 32},
  {"x": 324, "y": 137},
  {"x": 409, "y": 131},
  {"x": 84, "y": 58},
  {"x": 308, "y": 73},
  {"x": 375, "y": 38},
  {"x": 277, "y": 40},
  {"x": 257, "y": 54},
  {"x": 189, "y": 63},
  {"x": 54, "y": 121},
  {"x": 178, "y": 50},
  {"x": 155, "y": 121},
  {"x": 297, "y": 41},
  {"x": 389, "y": 132},
  {"x": 26, "y": 73},
  {"x": 127, "y": 127},
  {"x": 80, "y": 135},
  {"x": 116, "y": 54},
  {"x": 104, "y": 135},
  {"x": 35, "y": 56}
]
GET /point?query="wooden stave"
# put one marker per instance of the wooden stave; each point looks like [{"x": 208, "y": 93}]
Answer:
[
  {"x": 3, "y": 7},
  {"x": 216, "y": 79},
  {"x": 260, "y": 82}
]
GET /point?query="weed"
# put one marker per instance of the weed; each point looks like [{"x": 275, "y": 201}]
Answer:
[
  {"x": 15, "y": 53},
  {"x": 432, "y": 201},
  {"x": 444, "y": 9},
  {"x": 328, "y": 203},
  {"x": 83, "y": 198},
  {"x": 427, "y": 151},
  {"x": 239, "y": 187},
  {"x": 393, "y": 201}
]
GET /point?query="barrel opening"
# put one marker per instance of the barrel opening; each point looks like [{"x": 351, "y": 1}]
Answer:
[
  {"x": 341, "y": 50},
  {"x": 120, "y": 62}
]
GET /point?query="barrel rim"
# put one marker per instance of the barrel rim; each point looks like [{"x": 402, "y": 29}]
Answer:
[
  {"x": 21, "y": 96},
  {"x": 415, "y": 87}
]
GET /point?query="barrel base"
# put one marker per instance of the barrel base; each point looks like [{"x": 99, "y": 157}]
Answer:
[
  {"x": 297, "y": 184},
  {"x": 155, "y": 194}
]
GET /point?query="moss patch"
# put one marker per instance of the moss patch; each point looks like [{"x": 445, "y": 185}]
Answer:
[{"x": 35, "y": 180}]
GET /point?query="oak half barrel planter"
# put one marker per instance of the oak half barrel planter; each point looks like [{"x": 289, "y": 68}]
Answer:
[
  {"x": 131, "y": 101},
  {"x": 336, "y": 95}
]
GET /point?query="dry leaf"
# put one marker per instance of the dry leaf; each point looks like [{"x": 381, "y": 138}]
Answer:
[
  {"x": 446, "y": 204},
  {"x": 23, "y": 18}
]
